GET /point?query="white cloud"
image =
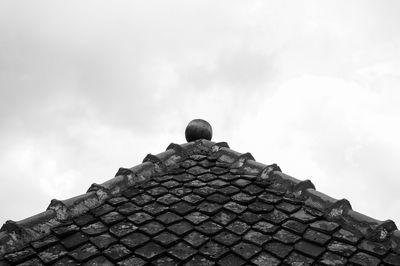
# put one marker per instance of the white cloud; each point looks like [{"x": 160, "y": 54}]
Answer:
[{"x": 88, "y": 87}]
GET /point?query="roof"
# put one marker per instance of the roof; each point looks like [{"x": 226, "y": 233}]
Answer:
[{"x": 200, "y": 203}]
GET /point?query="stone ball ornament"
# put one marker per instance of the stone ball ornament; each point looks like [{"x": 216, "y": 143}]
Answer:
[{"x": 198, "y": 129}]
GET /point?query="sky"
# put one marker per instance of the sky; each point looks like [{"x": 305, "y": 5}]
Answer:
[{"x": 87, "y": 87}]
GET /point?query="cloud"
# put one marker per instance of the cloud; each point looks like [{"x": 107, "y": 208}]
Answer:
[{"x": 88, "y": 87}]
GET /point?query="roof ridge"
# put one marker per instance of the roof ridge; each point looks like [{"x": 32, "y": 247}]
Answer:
[{"x": 14, "y": 235}]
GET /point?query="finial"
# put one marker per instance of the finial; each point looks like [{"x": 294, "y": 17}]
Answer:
[{"x": 198, "y": 129}]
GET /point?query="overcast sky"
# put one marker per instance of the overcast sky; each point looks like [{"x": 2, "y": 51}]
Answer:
[{"x": 87, "y": 87}]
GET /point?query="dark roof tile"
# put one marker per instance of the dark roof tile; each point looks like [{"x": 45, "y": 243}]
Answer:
[
  {"x": 199, "y": 260},
  {"x": 132, "y": 260},
  {"x": 361, "y": 258},
  {"x": 84, "y": 252},
  {"x": 74, "y": 240},
  {"x": 52, "y": 253},
  {"x": 231, "y": 260},
  {"x": 392, "y": 259},
  {"x": 213, "y": 250},
  {"x": 181, "y": 251},
  {"x": 294, "y": 258},
  {"x": 246, "y": 250},
  {"x": 181, "y": 228},
  {"x": 227, "y": 238},
  {"x": 150, "y": 250},
  {"x": 332, "y": 259},
  {"x": 166, "y": 239},
  {"x": 195, "y": 238},
  {"x": 266, "y": 259},
  {"x": 134, "y": 240},
  {"x": 19, "y": 256},
  {"x": 309, "y": 249},
  {"x": 316, "y": 237},
  {"x": 103, "y": 241},
  {"x": 278, "y": 249},
  {"x": 341, "y": 248},
  {"x": 116, "y": 252},
  {"x": 94, "y": 228},
  {"x": 100, "y": 260}
]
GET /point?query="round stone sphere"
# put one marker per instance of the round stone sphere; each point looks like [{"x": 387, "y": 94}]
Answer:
[{"x": 198, "y": 129}]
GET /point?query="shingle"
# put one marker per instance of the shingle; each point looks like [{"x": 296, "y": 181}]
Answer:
[
  {"x": 260, "y": 207},
  {"x": 278, "y": 249},
  {"x": 122, "y": 229},
  {"x": 361, "y": 258},
  {"x": 264, "y": 259},
  {"x": 139, "y": 218},
  {"x": 286, "y": 237},
  {"x": 316, "y": 237},
  {"x": 127, "y": 208},
  {"x": 238, "y": 227},
  {"x": 196, "y": 217},
  {"x": 94, "y": 228},
  {"x": 231, "y": 260},
  {"x": 116, "y": 252},
  {"x": 166, "y": 239},
  {"x": 373, "y": 247},
  {"x": 246, "y": 250},
  {"x": 44, "y": 242},
  {"x": 134, "y": 240},
  {"x": 303, "y": 217},
  {"x": 224, "y": 217},
  {"x": 199, "y": 260},
  {"x": 74, "y": 240},
  {"x": 103, "y": 241},
  {"x": 181, "y": 251},
  {"x": 294, "y": 258},
  {"x": 19, "y": 256},
  {"x": 209, "y": 228},
  {"x": 332, "y": 259},
  {"x": 213, "y": 250},
  {"x": 265, "y": 227},
  {"x": 100, "y": 260},
  {"x": 195, "y": 238},
  {"x": 341, "y": 248},
  {"x": 295, "y": 226},
  {"x": 209, "y": 208},
  {"x": 132, "y": 260},
  {"x": 62, "y": 231},
  {"x": 392, "y": 259},
  {"x": 180, "y": 228},
  {"x": 346, "y": 236},
  {"x": 111, "y": 218},
  {"x": 155, "y": 208},
  {"x": 182, "y": 208},
  {"x": 250, "y": 217},
  {"x": 227, "y": 238},
  {"x": 309, "y": 249},
  {"x": 275, "y": 216},
  {"x": 324, "y": 226},
  {"x": 84, "y": 252},
  {"x": 165, "y": 261},
  {"x": 168, "y": 218},
  {"x": 152, "y": 228},
  {"x": 150, "y": 250},
  {"x": 256, "y": 237},
  {"x": 235, "y": 207}
]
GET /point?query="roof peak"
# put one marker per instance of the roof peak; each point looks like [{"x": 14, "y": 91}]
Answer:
[{"x": 198, "y": 129}]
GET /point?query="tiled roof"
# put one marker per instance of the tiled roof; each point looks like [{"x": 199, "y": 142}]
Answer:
[{"x": 200, "y": 203}]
